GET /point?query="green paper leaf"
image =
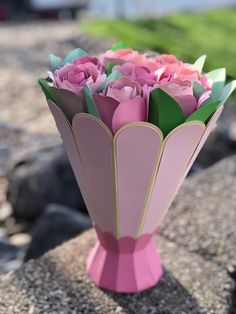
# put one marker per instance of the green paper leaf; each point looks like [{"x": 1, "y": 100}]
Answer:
[
  {"x": 76, "y": 53},
  {"x": 113, "y": 76},
  {"x": 218, "y": 77},
  {"x": 46, "y": 89},
  {"x": 119, "y": 45},
  {"x": 205, "y": 111},
  {"x": 110, "y": 67},
  {"x": 227, "y": 91},
  {"x": 198, "y": 90},
  {"x": 164, "y": 111},
  {"x": 55, "y": 62},
  {"x": 91, "y": 106},
  {"x": 199, "y": 63}
]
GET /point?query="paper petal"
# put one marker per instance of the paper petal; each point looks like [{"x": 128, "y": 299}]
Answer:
[
  {"x": 199, "y": 63},
  {"x": 210, "y": 126},
  {"x": 164, "y": 111},
  {"x": 76, "y": 53},
  {"x": 91, "y": 106},
  {"x": 179, "y": 147},
  {"x": 70, "y": 103},
  {"x": 204, "y": 112},
  {"x": 188, "y": 104},
  {"x": 137, "y": 149},
  {"x": 55, "y": 62},
  {"x": 95, "y": 144},
  {"x": 198, "y": 90},
  {"x": 218, "y": 77},
  {"x": 113, "y": 76},
  {"x": 132, "y": 110},
  {"x": 106, "y": 107},
  {"x": 227, "y": 91},
  {"x": 119, "y": 45},
  {"x": 65, "y": 130}
]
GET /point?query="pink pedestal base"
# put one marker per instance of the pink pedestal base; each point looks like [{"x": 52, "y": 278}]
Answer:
[{"x": 127, "y": 265}]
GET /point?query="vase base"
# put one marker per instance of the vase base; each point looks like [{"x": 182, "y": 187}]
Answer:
[{"x": 125, "y": 272}]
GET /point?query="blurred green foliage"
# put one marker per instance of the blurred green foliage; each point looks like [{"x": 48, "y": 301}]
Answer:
[{"x": 187, "y": 35}]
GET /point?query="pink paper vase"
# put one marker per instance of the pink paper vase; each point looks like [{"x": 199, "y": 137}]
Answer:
[{"x": 128, "y": 181}]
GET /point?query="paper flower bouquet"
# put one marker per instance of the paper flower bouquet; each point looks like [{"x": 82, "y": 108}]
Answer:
[{"x": 132, "y": 126}]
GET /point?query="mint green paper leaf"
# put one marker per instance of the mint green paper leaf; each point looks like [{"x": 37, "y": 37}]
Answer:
[
  {"x": 76, "y": 53},
  {"x": 199, "y": 63},
  {"x": 55, "y": 62},
  {"x": 204, "y": 112},
  {"x": 46, "y": 89},
  {"x": 91, "y": 106},
  {"x": 218, "y": 77},
  {"x": 110, "y": 67},
  {"x": 198, "y": 90},
  {"x": 227, "y": 91},
  {"x": 113, "y": 76},
  {"x": 164, "y": 111},
  {"x": 119, "y": 45}
]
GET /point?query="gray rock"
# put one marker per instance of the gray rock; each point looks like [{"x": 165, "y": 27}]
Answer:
[
  {"x": 203, "y": 216},
  {"x": 10, "y": 257},
  {"x": 39, "y": 178},
  {"x": 57, "y": 283},
  {"x": 56, "y": 225}
]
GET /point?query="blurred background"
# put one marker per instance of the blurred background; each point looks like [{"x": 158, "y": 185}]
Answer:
[{"x": 40, "y": 204}]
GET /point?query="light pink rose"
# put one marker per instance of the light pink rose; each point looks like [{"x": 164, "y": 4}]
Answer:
[
  {"x": 121, "y": 56},
  {"x": 181, "y": 89},
  {"x": 121, "y": 102},
  {"x": 137, "y": 72},
  {"x": 83, "y": 70},
  {"x": 176, "y": 78}
]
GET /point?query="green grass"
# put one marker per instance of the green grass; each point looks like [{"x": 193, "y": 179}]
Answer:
[{"x": 187, "y": 35}]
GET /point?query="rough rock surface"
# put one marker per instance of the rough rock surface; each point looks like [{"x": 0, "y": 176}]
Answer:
[{"x": 56, "y": 283}]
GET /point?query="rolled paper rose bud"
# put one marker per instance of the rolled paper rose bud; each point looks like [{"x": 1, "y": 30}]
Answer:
[
  {"x": 121, "y": 102},
  {"x": 121, "y": 56},
  {"x": 83, "y": 70}
]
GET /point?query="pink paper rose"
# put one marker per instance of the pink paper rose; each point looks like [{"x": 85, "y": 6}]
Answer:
[
  {"x": 121, "y": 102},
  {"x": 137, "y": 72},
  {"x": 83, "y": 70},
  {"x": 121, "y": 56},
  {"x": 181, "y": 89}
]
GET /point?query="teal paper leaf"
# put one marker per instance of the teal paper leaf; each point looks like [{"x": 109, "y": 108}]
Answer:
[
  {"x": 76, "y": 53},
  {"x": 218, "y": 77},
  {"x": 164, "y": 111},
  {"x": 199, "y": 63},
  {"x": 91, "y": 106},
  {"x": 227, "y": 91},
  {"x": 119, "y": 45},
  {"x": 198, "y": 90},
  {"x": 113, "y": 76},
  {"x": 55, "y": 62},
  {"x": 205, "y": 111}
]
